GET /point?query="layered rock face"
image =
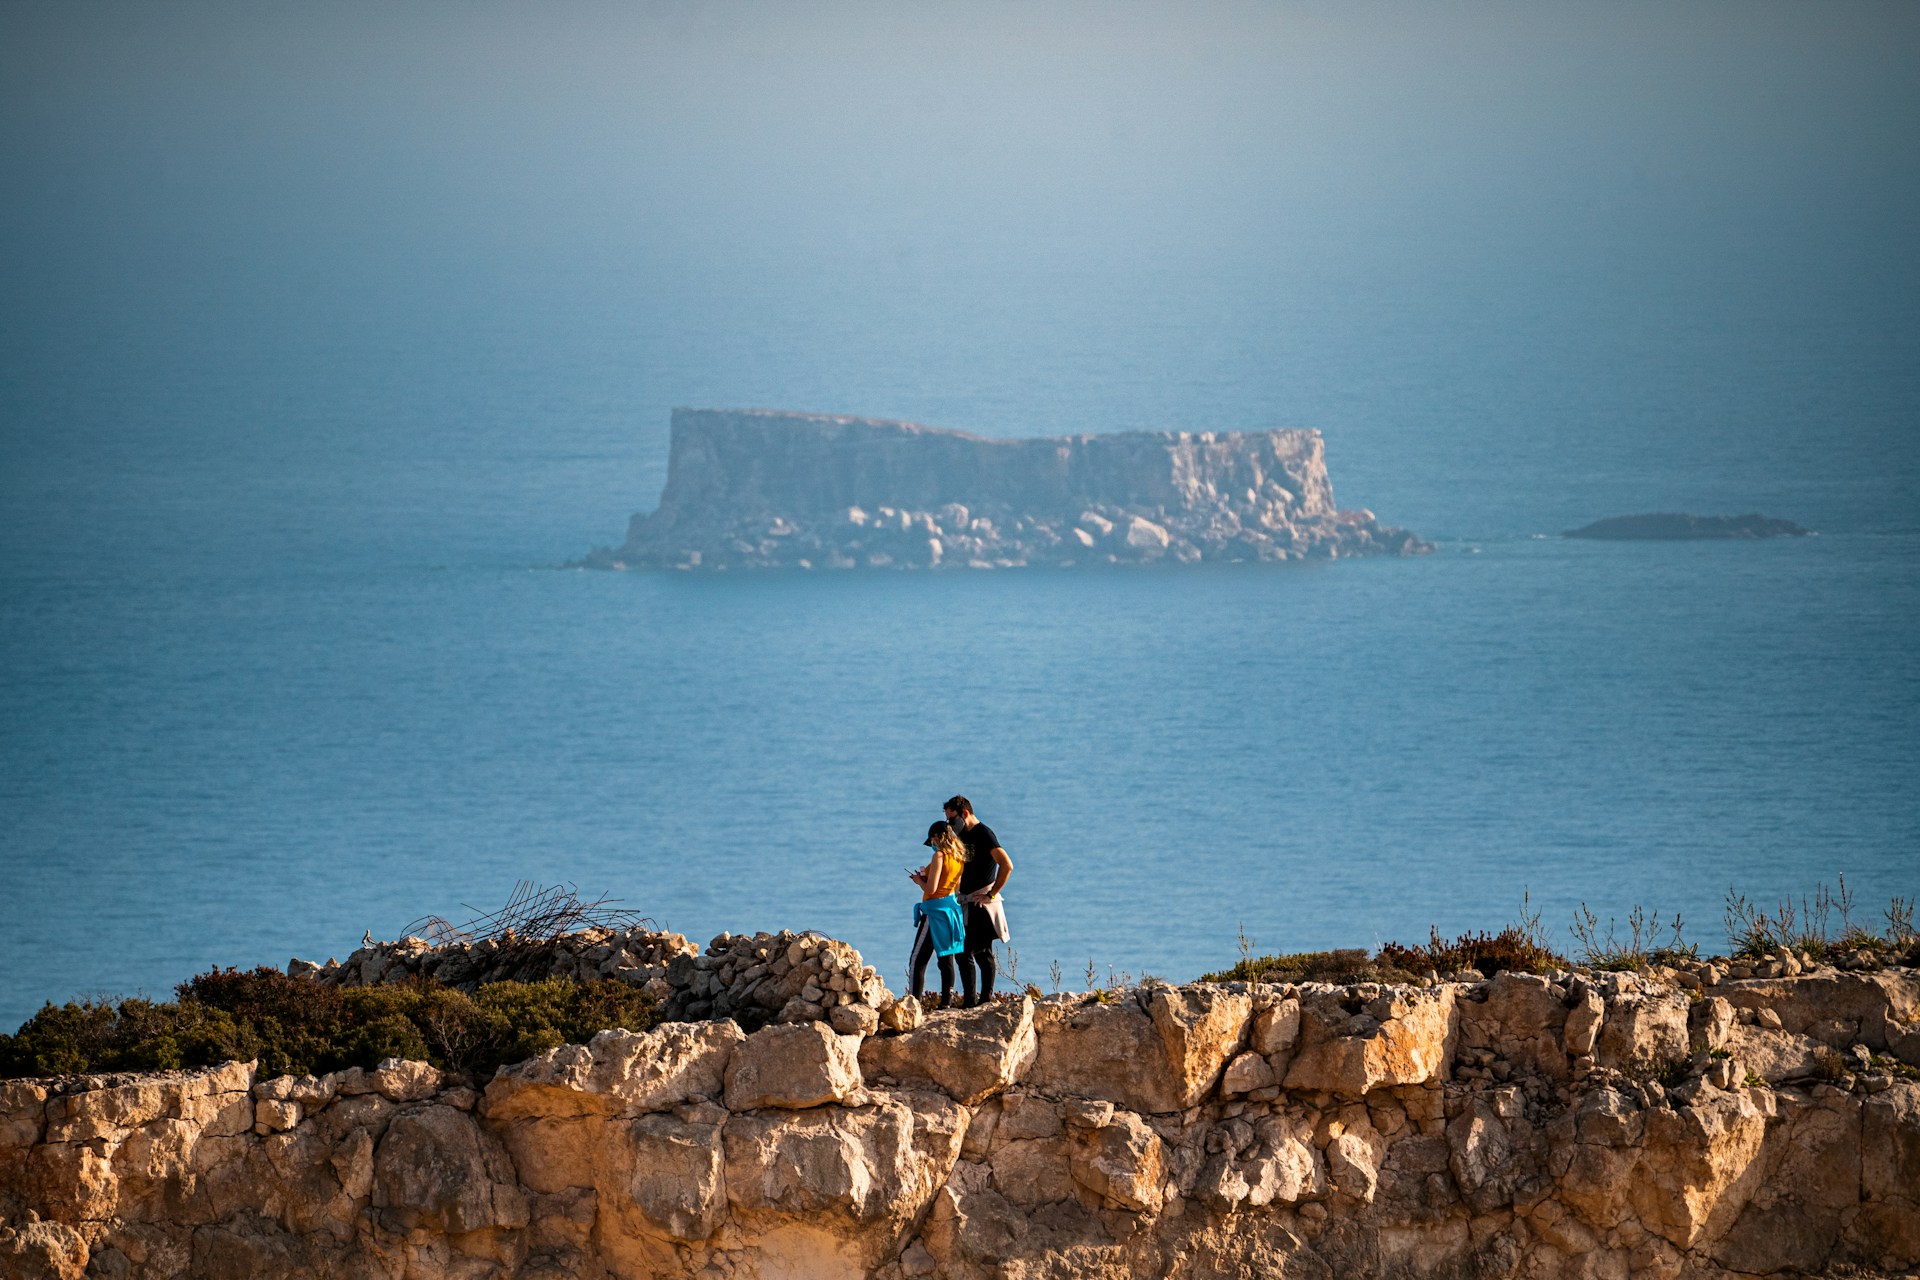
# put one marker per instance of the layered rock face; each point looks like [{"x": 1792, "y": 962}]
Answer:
[
  {"x": 760, "y": 489},
  {"x": 1586, "y": 1125}
]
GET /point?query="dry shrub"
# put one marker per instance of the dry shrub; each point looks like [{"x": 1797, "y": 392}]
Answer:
[{"x": 294, "y": 1026}]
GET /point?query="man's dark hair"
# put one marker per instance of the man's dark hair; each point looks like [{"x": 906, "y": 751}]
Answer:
[{"x": 960, "y": 804}]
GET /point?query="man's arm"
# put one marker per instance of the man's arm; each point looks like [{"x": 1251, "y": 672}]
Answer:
[{"x": 1003, "y": 872}]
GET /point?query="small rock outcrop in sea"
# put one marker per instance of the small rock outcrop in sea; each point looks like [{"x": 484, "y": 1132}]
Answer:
[
  {"x": 1706, "y": 1120},
  {"x": 1677, "y": 526},
  {"x": 756, "y": 489}
]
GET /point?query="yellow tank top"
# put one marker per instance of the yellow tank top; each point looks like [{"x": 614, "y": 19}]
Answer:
[{"x": 946, "y": 875}]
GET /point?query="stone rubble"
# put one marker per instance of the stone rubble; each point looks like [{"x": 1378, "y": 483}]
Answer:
[
  {"x": 1574, "y": 1125},
  {"x": 634, "y": 955},
  {"x": 752, "y": 978}
]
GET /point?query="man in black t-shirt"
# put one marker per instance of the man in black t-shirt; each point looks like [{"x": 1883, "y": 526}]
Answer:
[{"x": 984, "y": 875}]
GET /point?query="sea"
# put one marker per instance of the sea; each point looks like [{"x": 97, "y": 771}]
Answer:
[{"x": 290, "y": 654}]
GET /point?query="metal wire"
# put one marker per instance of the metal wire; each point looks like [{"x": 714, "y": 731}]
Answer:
[{"x": 534, "y": 913}]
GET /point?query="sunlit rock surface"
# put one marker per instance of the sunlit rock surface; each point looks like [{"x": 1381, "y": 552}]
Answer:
[
  {"x": 757, "y": 489},
  {"x": 1689, "y": 1124}
]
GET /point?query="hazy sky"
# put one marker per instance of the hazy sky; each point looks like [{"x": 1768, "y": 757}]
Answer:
[
  {"x": 370, "y": 226},
  {"x": 499, "y": 135}
]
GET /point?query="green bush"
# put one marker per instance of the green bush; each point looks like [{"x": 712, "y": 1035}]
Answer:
[{"x": 294, "y": 1026}]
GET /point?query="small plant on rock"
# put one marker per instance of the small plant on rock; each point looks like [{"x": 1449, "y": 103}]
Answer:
[
  {"x": 1900, "y": 931},
  {"x": 1641, "y": 946},
  {"x": 1808, "y": 926},
  {"x": 1672, "y": 1072},
  {"x": 1343, "y": 965}
]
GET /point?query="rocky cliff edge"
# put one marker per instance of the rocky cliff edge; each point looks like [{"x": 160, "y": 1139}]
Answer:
[{"x": 1583, "y": 1124}]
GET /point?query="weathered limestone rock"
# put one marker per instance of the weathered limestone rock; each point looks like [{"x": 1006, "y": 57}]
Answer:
[
  {"x": 1460, "y": 1139},
  {"x": 1890, "y": 1178},
  {"x": 1355, "y": 1152},
  {"x": 853, "y": 1019},
  {"x": 43, "y": 1251},
  {"x": 1165, "y": 1056},
  {"x": 1643, "y": 1031},
  {"x": 1246, "y": 1073},
  {"x": 1093, "y": 1050},
  {"x": 793, "y": 1066},
  {"x": 1583, "y": 1021},
  {"x": 398, "y": 1080},
  {"x": 1487, "y": 1157},
  {"x": 1276, "y": 1027},
  {"x": 23, "y": 1114},
  {"x": 1838, "y": 1009},
  {"x": 970, "y": 1055},
  {"x": 619, "y": 1073},
  {"x": 1779, "y": 1057},
  {"x": 1798, "y": 1191},
  {"x": 1710, "y": 1024},
  {"x": 1690, "y": 1159},
  {"x": 1520, "y": 1020},
  {"x": 677, "y": 1186},
  {"x": 869, "y": 1169},
  {"x": 1593, "y": 1157},
  {"x": 902, "y": 1015},
  {"x": 1122, "y": 1161},
  {"x": 435, "y": 1169},
  {"x": 1353, "y": 1054},
  {"x": 1200, "y": 1028},
  {"x": 220, "y": 1101},
  {"x": 1283, "y": 1167}
]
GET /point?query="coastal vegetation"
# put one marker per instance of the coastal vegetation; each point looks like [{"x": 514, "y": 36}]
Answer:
[
  {"x": 294, "y": 1026},
  {"x": 479, "y": 1002},
  {"x": 1509, "y": 950},
  {"x": 1820, "y": 926}
]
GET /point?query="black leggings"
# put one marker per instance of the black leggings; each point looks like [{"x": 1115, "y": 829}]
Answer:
[
  {"x": 989, "y": 970},
  {"x": 917, "y": 966}
]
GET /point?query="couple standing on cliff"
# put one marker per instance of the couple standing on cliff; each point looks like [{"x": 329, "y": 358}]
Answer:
[{"x": 959, "y": 914}]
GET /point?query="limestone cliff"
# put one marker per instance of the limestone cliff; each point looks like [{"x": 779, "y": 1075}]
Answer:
[
  {"x": 760, "y": 489},
  {"x": 1583, "y": 1124}
]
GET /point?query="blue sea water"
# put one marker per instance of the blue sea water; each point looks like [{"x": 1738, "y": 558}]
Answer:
[{"x": 288, "y": 655}]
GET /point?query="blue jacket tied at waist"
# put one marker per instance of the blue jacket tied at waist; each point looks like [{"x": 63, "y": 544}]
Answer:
[{"x": 946, "y": 923}]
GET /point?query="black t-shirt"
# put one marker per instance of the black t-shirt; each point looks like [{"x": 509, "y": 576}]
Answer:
[{"x": 980, "y": 869}]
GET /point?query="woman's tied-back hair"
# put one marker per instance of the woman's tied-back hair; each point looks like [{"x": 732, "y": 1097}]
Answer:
[
  {"x": 946, "y": 843},
  {"x": 959, "y": 804}
]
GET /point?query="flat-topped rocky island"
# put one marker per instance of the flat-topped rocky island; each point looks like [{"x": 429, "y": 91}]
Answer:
[
  {"x": 758, "y": 489},
  {"x": 1700, "y": 1120}
]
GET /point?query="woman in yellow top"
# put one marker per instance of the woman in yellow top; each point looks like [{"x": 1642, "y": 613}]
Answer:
[{"x": 940, "y": 924}]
